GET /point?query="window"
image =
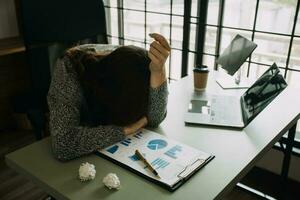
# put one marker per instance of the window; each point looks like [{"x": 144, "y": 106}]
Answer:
[
  {"x": 132, "y": 21},
  {"x": 273, "y": 24}
]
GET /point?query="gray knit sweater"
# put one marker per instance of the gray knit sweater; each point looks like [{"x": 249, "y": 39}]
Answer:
[{"x": 69, "y": 138}]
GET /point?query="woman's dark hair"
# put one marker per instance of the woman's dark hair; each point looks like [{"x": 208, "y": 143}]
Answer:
[{"x": 115, "y": 86}]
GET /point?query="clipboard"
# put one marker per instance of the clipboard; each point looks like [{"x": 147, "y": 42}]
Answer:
[
  {"x": 179, "y": 177},
  {"x": 182, "y": 180}
]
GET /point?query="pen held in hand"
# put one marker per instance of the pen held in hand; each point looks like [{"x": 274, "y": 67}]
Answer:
[{"x": 141, "y": 157}]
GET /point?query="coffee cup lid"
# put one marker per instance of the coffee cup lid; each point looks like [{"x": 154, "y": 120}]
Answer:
[{"x": 202, "y": 68}]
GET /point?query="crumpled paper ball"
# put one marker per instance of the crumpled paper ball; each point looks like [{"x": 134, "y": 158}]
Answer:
[
  {"x": 112, "y": 181},
  {"x": 87, "y": 171}
]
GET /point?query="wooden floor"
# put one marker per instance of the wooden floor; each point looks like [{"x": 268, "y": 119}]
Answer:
[{"x": 14, "y": 186}]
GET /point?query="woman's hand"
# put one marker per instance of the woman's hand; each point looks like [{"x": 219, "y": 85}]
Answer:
[
  {"x": 158, "y": 53},
  {"x": 132, "y": 128}
]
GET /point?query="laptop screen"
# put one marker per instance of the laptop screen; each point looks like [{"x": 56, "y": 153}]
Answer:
[
  {"x": 261, "y": 93},
  {"x": 236, "y": 54}
]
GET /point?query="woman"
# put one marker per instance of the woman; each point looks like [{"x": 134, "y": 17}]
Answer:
[{"x": 96, "y": 99}]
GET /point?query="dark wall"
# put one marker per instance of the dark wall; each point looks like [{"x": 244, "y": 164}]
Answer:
[{"x": 14, "y": 80}]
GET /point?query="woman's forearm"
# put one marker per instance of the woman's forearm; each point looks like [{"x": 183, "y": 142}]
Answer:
[
  {"x": 157, "y": 109},
  {"x": 157, "y": 78}
]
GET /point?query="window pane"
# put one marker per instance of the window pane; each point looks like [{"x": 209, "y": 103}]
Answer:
[
  {"x": 112, "y": 3},
  {"x": 191, "y": 63},
  {"x": 178, "y": 7},
  {"x": 159, "y": 6},
  {"x": 270, "y": 49},
  {"x": 177, "y": 32},
  {"x": 134, "y": 25},
  {"x": 106, "y": 3},
  {"x": 192, "y": 45},
  {"x": 135, "y": 43},
  {"x": 257, "y": 70},
  {"x": 176, "y": 57},
  {"x": 147, "y": 46},
  {"x": 209, "y": 61},
  {"x": 293, "y": 78},
  {"x": 276, "y": 16},
  {"x": 193, "y": 20},
  {"x": 244, "y": 69},
  {"x": 108, "y": 16},
  {"x": 134, "y": 4},
  {"x": 112, "y": 26},
  {"x": 113, "y": 40},
  {"x": 210, "y": 40},
  {"x": 239, "y": 13},
  {"x": 158, "y": 23},
  {"x": 213, "y": 12},
  {"x": 295, "y": 55},
  {"x": 194, "y": 8},
  {"x": 167, "y": 66},
  {"x": 297, "y": 30}
]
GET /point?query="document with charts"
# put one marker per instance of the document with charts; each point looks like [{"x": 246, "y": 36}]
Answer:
[{"x": 174, "y": 161}]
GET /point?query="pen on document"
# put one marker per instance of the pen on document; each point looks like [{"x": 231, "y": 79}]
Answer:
[{"x": 141, "y": 157}]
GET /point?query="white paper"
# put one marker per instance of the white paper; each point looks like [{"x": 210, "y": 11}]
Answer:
[{"x": 168, "y": 157}]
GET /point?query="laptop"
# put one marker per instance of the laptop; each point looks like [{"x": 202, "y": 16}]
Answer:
[
  {"x": 233, "y": 111},
  {"x": 236, "y": 54}
]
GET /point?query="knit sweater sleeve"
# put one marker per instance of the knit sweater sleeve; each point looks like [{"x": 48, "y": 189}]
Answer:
[
  {"x": 69, "y": 139},
  {"x": 157, "y": 107}
]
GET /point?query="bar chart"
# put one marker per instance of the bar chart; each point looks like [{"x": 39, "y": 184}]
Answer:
[
  {"x": 138, "y": 135},
  {"x": 126, "y": 142},
  {"x": 112, "y": 149},
  {"x": 134, "y": 157},
  {"x": 173, "y": 151},
  {"x": 159, "y": 163}
]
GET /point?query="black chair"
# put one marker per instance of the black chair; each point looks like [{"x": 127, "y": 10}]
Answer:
[{"x": 49, "y": 27}]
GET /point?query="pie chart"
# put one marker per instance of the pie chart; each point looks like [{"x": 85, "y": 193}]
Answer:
[{"x": 157, "y": 144}]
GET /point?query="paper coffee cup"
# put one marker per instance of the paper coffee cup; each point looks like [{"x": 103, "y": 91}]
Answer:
[{"x": 200, "y": 77}]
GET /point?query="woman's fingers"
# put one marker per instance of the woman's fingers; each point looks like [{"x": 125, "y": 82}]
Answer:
[
  {"x": 153, "y": 58},
  {"x": 160, "y": 48},
  {"x": 158, "y": 54},
  {"x": 161, "y": 39}
]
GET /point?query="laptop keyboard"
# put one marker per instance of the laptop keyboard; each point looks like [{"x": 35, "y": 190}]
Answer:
[{"x": 223, "y": 109}]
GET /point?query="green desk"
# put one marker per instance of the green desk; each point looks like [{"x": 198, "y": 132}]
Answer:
[{"x": 236, "y": 152}]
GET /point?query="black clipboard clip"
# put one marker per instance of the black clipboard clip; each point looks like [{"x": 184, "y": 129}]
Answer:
[{"x": 190, "y": 168}]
